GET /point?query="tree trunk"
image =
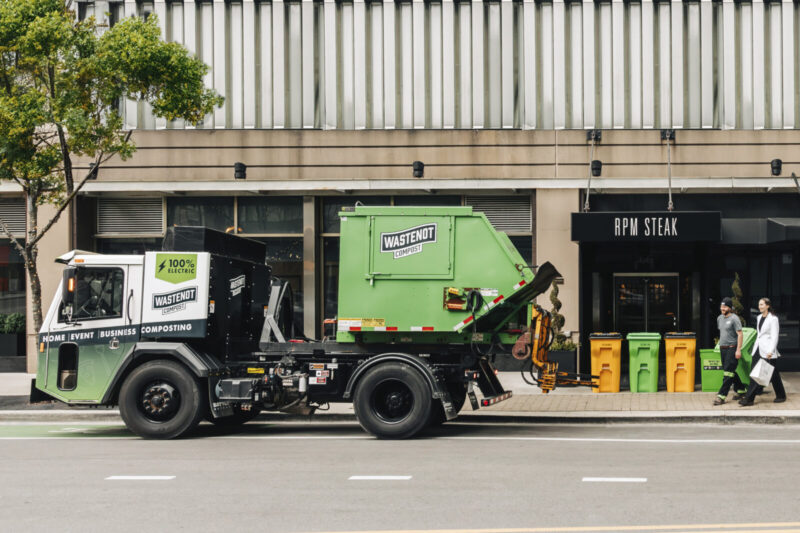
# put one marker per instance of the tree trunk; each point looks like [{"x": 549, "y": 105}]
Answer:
[
  {"x": 68, "y": 179},
  {"x": 31, "y": 256}
]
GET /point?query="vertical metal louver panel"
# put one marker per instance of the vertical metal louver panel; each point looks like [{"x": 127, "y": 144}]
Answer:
[
  {"x": 506, "y": 213},
  {"x": 130, "y": 216},
  {"x": 532, "y": 64},
  {"x": 12, "y": 211}
]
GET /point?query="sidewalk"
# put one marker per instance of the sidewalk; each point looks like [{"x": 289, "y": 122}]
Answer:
[{"x": 528, "y": 405}]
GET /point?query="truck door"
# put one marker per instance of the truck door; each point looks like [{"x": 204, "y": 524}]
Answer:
[{"x": 87, "y": 341}]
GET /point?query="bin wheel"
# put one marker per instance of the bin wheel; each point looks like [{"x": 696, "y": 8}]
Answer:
[
  {"x": 161, "y": 400},
  {"x": 238, "y": 417},
  {"x": 393, "y": 401},
  {"x": 458, "y": 396}
]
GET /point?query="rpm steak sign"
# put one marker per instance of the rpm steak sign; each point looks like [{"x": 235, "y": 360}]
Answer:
[{"x": 685, "y": 226}]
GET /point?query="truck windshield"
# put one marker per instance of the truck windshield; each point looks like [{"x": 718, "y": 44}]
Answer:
[{"x": 98, "y": 295}]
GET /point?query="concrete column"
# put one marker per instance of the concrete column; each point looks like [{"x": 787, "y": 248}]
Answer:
[
  {"x": 553, "y": 244},
  {"x": 52, "y": 245},
  {"x": 310, "y": 322}
]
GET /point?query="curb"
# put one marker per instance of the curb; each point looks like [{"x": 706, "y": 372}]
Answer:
[{"x": 629, "y": 417}]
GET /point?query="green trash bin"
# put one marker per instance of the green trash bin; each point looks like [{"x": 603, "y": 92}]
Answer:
[
  {"x": 710, "y": 370},
  {"x": 743, "y": 368},
  {"x": 643, "y": 357}
]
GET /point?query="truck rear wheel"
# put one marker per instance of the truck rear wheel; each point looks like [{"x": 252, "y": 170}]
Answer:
[
  {"x": 393, "y": 401},
  {"x": 161, "y": 400}
]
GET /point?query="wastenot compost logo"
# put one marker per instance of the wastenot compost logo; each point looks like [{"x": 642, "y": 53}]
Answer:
[
  {"x": 408, "y": 241},
  {"x": 176, "y": 268}
]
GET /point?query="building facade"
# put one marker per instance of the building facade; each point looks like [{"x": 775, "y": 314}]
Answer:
[{"x": 505, "y": 103}]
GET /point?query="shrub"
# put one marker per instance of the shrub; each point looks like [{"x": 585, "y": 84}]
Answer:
[{"x": 557, "y": 320}]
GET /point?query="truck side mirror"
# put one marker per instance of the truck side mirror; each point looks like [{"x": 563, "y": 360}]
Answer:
[{"x": 69, "y": 291}]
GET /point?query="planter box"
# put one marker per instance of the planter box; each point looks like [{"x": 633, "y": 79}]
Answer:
[
  {"x": 12, "y": 344},
  {"x": 567, "y": 361}
]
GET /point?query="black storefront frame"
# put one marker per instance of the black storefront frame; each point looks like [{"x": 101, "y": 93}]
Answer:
[{"x": 707, "y": 264}]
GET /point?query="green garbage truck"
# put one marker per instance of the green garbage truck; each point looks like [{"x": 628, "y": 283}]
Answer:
[{"x": 203, "y": 330}]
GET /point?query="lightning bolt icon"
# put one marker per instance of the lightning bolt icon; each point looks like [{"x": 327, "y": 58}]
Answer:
[{"x": 162, "y": 265}]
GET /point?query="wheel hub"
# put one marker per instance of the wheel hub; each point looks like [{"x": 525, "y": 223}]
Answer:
[
  {"x": 392, "y": 401},
  {"x": 160, "y": 401}
]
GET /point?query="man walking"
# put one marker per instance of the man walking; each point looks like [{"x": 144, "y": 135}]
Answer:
[{"x": 730, "y": 349}]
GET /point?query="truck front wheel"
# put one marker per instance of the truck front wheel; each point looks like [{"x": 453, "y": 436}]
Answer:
[
  {"x": 393, "y": 401},
  {"x": 161, "y": 400}
]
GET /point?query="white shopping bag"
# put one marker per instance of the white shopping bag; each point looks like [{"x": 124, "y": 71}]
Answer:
[{"x": 762, "y": 372}]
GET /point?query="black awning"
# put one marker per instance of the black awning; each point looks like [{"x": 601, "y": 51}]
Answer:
[
  {"x": 783, "y": 229},
  {"x": 760, "y": 230}
]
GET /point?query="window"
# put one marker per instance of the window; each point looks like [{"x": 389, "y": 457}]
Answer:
[
  {"x": 12, "y": 279},
  {"x": 215, "y": 213},
  {"x": 332, "y": 206},
  {"x": 270, "y": 215},
  {"x": 98, "y": 295}
]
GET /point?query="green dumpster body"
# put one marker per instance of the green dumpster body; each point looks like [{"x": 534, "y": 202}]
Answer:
[
  {"x": 643, "y": 369},
  {"x": 711, "y": 372},
  {"x": 405, "y": 275}
]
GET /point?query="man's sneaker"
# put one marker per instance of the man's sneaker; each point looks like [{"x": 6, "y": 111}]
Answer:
[
  {"x": 779, "y": 400},
  {"x": 719, "y": 401},
  {"x": 746, "y": 403},
  {"x": 738, "y": 396}
]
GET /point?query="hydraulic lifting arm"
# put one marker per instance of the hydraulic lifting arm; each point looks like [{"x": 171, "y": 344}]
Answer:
[{"x": 535, "y": 343}]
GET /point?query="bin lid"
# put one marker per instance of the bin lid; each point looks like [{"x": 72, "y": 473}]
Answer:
[
  {"x": 611, "y": 335},
  {"x": 644, "y": 336},
  {"x": 679, "y": 335}
]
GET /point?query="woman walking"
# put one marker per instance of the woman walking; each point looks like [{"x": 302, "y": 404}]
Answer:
[{"x": 766, "y": 348}]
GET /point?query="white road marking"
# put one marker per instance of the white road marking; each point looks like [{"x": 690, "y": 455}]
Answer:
[
  {"x": 139, "y": 478},
  {"x": 379, "y": 478},
  {"x": 615, "y": 480}
]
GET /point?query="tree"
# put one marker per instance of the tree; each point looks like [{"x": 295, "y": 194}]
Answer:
[
  {"x": 736, "y": 289},
  {"x": 61, "y": 84}
]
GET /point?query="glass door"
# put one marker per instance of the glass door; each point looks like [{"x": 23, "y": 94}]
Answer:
[{"x": 646, "y": 302}]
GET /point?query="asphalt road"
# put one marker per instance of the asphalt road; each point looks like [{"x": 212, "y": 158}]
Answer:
[{"x": 293, "y": 477}]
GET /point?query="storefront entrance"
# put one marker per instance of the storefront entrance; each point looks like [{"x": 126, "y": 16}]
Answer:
[{"x": 646, "y": 302}]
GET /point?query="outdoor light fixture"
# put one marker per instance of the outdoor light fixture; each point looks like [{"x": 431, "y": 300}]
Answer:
[
  {"x": 240, "y": 171},
  {"x": 777, "y": 166},
  {"x": 419, "y": 169},
  {"x": 93, "y": 170},
  {"x": 597, "y": 167}
]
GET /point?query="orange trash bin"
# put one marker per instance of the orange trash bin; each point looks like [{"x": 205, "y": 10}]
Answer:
[
  {"x": 680, "y": 351},
  {"x": 606, "y": 349}
]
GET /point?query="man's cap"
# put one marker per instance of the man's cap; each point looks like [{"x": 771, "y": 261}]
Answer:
[{"x": 727, "y": 301}]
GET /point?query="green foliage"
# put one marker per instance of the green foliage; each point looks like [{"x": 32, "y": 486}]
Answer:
[
  {"x": 13, "y": 323},
  {"x": 61, "y": 82},
  {"x": 557, "y": 322},
  {"x": 736, "y": 289}
]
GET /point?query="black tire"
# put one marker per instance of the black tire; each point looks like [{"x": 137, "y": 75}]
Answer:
[
  {"x": 161, "y": 400},
  {"x": 393, "y": 401},
  {"x": 238, "y": 417},
  {"x": 458, "y": 396}
]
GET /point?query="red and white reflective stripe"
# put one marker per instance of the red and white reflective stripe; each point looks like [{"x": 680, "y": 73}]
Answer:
[
  {"x": 491, "y": 401},
  {"x": 463, "y": 323},
  {"x": 519, "y": 285},
  {"x": 495, "y": 301},
  {"x": 385, "y": 328},
  {"x": 421, "y": 328}
]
